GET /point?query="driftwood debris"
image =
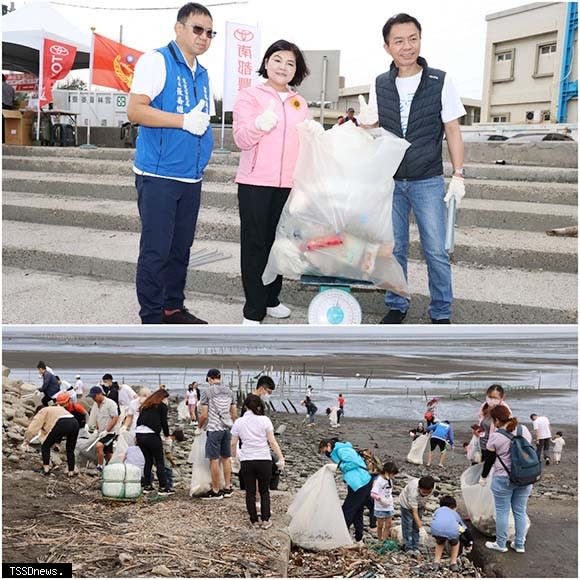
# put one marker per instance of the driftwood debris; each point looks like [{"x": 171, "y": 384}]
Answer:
[{"x": 569, "y": 232}]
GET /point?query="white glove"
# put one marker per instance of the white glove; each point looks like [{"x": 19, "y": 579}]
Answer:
[
  {"x": 456, "y": 189},
  {"x": 367, "y": 115},
  {"x": 422, "y": 535},
  {"x": 24, "y": 446},
  {"x": 281, "y": 464},
  {"x": 331, "y": 467},
  {"x": 197, "y": 431},
  {"x": 196, "y": 121},
  {"x": 123, "y": 429},
  {"x": 268, "y": 119},
  {"x": 483, "y": 481}
]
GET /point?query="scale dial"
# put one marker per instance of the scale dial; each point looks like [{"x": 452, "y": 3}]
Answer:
[{"x": 334, "y": 307}]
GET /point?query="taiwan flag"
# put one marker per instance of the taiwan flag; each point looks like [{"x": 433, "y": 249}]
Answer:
[{"x": 113, "y": 64}]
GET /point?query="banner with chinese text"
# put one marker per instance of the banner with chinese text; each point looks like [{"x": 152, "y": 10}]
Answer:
[{"x": 242, "y": 61}]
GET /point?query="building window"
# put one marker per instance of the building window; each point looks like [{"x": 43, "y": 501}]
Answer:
[
  {"x": 545, "y": 60},
  {"x": 83, "y": 99},
  {"x": 75, "y": 99},
  {"x": 108, "y": 100},
  {"x": 503, "y": 69},
  {"x": 500, "y": 118},
  {"x": 99, "y": 99},
  {"x": 545, "y": 115},
  {"x": 103, "y": 122}
]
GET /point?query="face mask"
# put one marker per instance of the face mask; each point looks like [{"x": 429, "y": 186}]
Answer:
[
  {"x": 492, "y": 402},
  {"x": 265, "y": 397},
  {"x": 327, "y": 453}
]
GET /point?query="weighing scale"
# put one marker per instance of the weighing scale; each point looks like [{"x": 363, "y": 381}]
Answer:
[{"x": 334, "y": 304}]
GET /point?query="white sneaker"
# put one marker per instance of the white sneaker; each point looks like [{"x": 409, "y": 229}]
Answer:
[
  {"x": 494, "y": 546},
  {"x": 279, "y": 311},
  {"x": 248, "y": 322},
  {"x": 518, "y": 550}
]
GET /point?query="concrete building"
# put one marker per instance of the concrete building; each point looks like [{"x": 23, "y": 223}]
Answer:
[{"x": 531, "y": 63}]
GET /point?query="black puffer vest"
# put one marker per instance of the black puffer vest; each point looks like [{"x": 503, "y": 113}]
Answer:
[{"x": 425, "y": 128}]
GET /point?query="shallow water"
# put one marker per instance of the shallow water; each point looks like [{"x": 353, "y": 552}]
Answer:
[{"x": 381, "y": 376}]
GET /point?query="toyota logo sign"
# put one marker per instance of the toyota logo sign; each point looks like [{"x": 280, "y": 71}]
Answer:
[
  {"x": 58, "y": 50},
  {"x": 243, "y": 35}
]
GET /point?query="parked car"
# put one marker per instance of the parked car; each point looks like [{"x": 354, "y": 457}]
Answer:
[
  {"x": 472, "y": 137},
  {"x": 537, "y": 137}
]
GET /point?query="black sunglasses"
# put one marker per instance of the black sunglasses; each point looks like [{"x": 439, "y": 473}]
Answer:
[{"x": 199, "y": 30}]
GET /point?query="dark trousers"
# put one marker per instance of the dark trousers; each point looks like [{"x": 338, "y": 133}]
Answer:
[
  {"x": 260, "y": 471},
  {"x": 46, "y": 400},
  {"x": 370, "y": 505},
  {"x": 168, "y": 210},
  {"x": 543, "y": 445},
  {"x": 353, "y": 508},
  {"x": 152, "y": 448},
  {"x": 66, "y": 427},
  {"x": 260, "y": 209}
]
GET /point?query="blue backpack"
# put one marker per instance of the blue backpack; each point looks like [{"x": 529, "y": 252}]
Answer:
[{"x": 526, "y": 467}]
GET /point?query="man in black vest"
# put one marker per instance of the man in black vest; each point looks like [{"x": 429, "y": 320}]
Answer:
[{"x": 420, "y": 104}]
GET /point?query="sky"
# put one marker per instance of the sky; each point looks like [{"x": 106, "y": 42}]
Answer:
[{"x": 453, "y": 31}]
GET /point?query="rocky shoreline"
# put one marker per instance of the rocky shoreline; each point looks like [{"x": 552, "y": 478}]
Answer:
[{"x": 181, "y": 536}]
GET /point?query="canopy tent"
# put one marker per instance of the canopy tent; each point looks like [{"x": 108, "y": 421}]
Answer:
[{"x": 24, "y": 29}]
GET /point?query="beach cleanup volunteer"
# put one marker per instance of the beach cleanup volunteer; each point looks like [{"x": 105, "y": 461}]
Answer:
[
  {"x": 357, "y": 478},
  {"x": 52, "y": 424},
  {"x": 172, "y": 102},
  {"x": 420, "y": 104}
]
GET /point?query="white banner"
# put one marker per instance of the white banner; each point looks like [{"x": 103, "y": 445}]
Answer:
[{"x": 242, "y": 61}]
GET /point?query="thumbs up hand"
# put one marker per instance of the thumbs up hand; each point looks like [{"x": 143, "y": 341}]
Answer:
[
  {"x": 196, "y": 121},
  {"x": 368, "y": 116},
  {"x": 268, "y": 119}
]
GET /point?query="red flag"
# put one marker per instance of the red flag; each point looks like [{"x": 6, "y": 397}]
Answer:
[
  {"x": 113, "y": 63},
  {"x": 57, "y": 61}
]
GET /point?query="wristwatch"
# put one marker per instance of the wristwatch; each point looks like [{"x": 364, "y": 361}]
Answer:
[{"x": 460, "y": 172}]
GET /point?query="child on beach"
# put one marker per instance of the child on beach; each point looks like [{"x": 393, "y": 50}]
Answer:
[
  {"x": 311, "y": 409},
  {"x": 333, "y": 416},
  {"x": 559, "y": 443},
  {"x": 412, "y": 501},
  {"x": 447, "y": 526},
  {"x": 382, "y": 493},
  {"x": 178, "y": 436}
]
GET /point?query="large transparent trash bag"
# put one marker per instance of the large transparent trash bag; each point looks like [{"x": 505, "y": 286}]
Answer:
[
  {"x": 338, "y": 218},
  {"x": 317, "y": 519},
  {"x": 417, "y": 451},
  {"x": 200, "y": 470},
  {"x": 480, "y": 504}
]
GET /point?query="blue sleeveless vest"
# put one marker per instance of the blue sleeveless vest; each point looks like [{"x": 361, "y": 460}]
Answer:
[{"x": 175, "y": 152}]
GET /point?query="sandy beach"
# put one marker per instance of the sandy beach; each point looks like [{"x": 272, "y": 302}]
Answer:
[{"x": 54, "y": 519}]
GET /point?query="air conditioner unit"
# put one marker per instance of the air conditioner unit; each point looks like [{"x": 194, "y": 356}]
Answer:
[{"x": 532, "y": 116}]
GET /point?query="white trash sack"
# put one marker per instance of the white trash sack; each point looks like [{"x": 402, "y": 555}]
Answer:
[
  {"x": 338, "y": 218},
  {"x": 183, "y": 412},
  {"x": 480, "y": 504},
  {"x": 417, "y": 451},
  {"x": 317, "y": 518},
  {"x": 200, "y": 470}
]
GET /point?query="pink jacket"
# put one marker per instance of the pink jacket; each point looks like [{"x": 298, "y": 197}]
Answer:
[{"x": 267, "y": 159}]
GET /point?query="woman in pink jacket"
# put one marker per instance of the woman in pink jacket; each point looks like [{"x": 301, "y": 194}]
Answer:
[
  {"x": 494, "y": 397},
  {"x": 265, "y": 119}
]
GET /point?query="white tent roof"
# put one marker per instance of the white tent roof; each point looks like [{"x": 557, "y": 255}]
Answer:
[{"x": 24, "y": 29}]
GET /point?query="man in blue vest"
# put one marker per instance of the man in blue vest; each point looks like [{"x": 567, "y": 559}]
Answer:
[
  {"x": 172, "y": 102},
  {"x": 420, "y": 104}
]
